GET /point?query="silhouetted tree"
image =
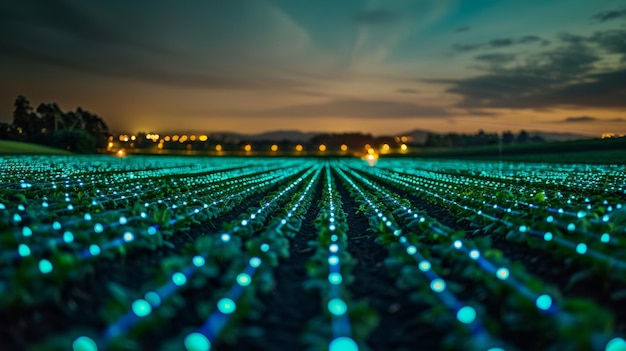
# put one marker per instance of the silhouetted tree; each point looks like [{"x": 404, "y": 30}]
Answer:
[
  {"x": 27, "y": 124},
  {"x": 523, "y": 137}
]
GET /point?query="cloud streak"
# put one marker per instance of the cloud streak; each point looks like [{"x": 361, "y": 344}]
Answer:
[{"x": 500, "y": 43}]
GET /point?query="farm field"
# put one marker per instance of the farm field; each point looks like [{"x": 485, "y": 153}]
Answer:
[{"x": 203, "y": 253}]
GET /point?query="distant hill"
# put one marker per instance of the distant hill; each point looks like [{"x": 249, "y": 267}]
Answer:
[{"x": 555, "y": 136}]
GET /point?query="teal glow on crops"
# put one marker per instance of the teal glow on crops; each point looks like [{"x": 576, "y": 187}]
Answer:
[
  {"x": 141, "y": 308},
  {"x": 581, "y": 248},
  {"x": 474, "y": 254},
  {"x": 337, "y": 306},
  {"x": 424, "y": 266},
  {"x": 179, "y": 278},
  {"x": 153, "y": 298},
  {"x": 616, "y": 344},
  {"x": 265, "y": 247},
  {"x": 605, "y": 238},
  {"x": 197, "y": 342},
  {"x": 411, "y": 250},
  {"x": 84, "y": 343},
  {"x": 544, "y": 302},
  {"x": 98, "y": 228},
  {"x": 343, "y": 343},
  {"x": 547, "y": 236},
  {"x": 26, "y": 231},
  {"x": 466, "y": 314},
  {"x": 458, "y": 244},
  {"x": 151, "y": 230},
  {"x": 438, "y": 285},
  {"x": 23, "y": 250},
  {"x": 243, "y": 279},
  {"x": 68, "y": 237},
  {"x": 56, "y": 225},
  {"x": 226, "y": 306},
  {"x": 333, "y": 260},
  {"x": 571, "y": 227},
  {"x": 335, "y": 278},
  {"x": 128, "y": 237},
  {"x": 45, "y": 266}
]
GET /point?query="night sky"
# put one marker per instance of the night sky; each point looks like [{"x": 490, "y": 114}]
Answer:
[{"x": 381, "y": 67}]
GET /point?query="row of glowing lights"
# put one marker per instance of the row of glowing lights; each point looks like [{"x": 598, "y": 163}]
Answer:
[
  {"x": 156, "y": 137},
  {"x": 298, "y": 148}
]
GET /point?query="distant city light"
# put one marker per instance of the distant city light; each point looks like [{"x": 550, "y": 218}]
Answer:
[
  {"x": 322, "y": 147},
  {"x": 274, "y": 148},
  {"x": 344, "y": 147},
  {"x": 248, "y": 148},
  {"x": 298, "y": 147},
  {"x": 218, "y": 147}
]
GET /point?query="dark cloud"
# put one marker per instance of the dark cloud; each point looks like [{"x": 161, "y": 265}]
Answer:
[
  {"x": 500, "y": 43},
  {"x": 406, "y": 91},
  {"x": 356, "y": 109},
  {"x": 610, "y": 15},
  {"x": 496, "y": 58},
  {"x": 580, "y": 119},
  {"x": 564, "y": 76},
  {"x": 462, "y": 29},
  {"x": 377, "y": 17},
  {"x": 585, "y": 119}
]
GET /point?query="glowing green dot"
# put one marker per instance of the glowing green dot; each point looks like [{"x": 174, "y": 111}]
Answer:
[
  {"x": 605, "y": 238},
  {"x": 198, "y": 261},
  {"x": 343, "y": 343},
  {"x": 337, "y": 307},
  {"x": 141, "y": 308},
  {"x": 543, "y": 302},
  {"x": 94, "y": 250},
  {"x": 23, "y": 250},
  {"x": 68, "y": 237},
  {"x": 496, "y": 349},
  {"x": 226, "y": 306},
  {"x": 523, "y": 228},
  {"x": 255, "y": 262},
  {"x": 128, "y": 237},
  {"x": 581, "y": 248},
  {"x": 153, "y": 298},
  {"x": 179, "y": 278},
  {"x": 474, "y": 254},
  {"x": 547, "y": 236},
  {"x": 335, "y": 278},
  {"x": 197, "y": 342},
  {"x": 502, "y": 273},
  {"x": 411, "y": 250},
  {"x": 243, "y": 279},
  {"x": 438, "y": 285},
  {"x": 17, "y": 218},
  {"x": 424, "y": 266},
  {"x": 84, "y": 343},
  {"x": 45, "y": 266},
  {"x": 616, "y": 344},
  {"x": 466, "y": 314},
  {"x": 581, "y": 214},
  {"x": 26, "y": 231},
  {"x": 98, "y": 228},
  {"x": 56, "y": 225},
  {"x": 571, "y": 227},
  {"x": 151, "y": 230}
]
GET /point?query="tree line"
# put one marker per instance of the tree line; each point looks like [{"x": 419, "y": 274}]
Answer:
[
  {"x": 480, "y": 139},
  {"x": 78, "y": 131}
]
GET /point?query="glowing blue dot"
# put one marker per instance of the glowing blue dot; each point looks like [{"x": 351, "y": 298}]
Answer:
[
  {"x": 70, "y": 206},
  {"x": 550, "y": 219},
  {"x": 87, "y": 217},
  {"x": 197, "y": 342},
  {"x": 496, "y": 349},
  {"x": 23, "y": 250},
  {"x": 153, "y": 298},
  {"x": 98, "y": 228},
  {"x": 45, "y": 266},
  {"x": 474, "y": 254},
  {"x": 333, "y": 260},
  {"x": 337, "y": 307},
  {"x": 244, "y": 222},
  {"x": 571, "y": 227},
  {"x": 225, "y": 237},
  {"x": 438, "y": 285},
  {"x": 543, "y": 302},
  {"x": 17, "y": 218},
  {"x": 581, "y": 248},
  {"x": 179, "y": 278},
  {"x": 466, "y": 314},
  {"x": 226, "y": 306},
  {"x": 198, "y": 261},
  {"x": 458, "y": 244},
  {"x": 502, "y": 273},
  {"x": 547, "y": 236},
  {"x": 616, "y": 344},
  {"x": 128, "y": 237},
  {"x": 411, "y": 250},
  {"x": 68, "y": 237},
  {"x": 343, "y": 343},
  {"x": 151, "y": 230},
  {"x": 123, "y": 220},
  {"x": 141, "y": 308},
  {"x": 94, "y": 250},
  {"x": 335, "y": 278},
  {"x": 255, "y": 262},
  {"x": 581, "y": 214},
  {"x": 84, "y": 343},
  {"x": 605, "y": 218},
  {"x": 26, "y": 231},
  {"x": 523, "y": 228},
  {"x": 56, "y": 225},
  {"x": 397, "y": 232},
  {"x": 334, "y": 237},
  {"x": 424, "y": 266},
  {"x": 265, "y": 247},
  {"x": 243, "y": 279},
  {"x": 44, "y": 204},
  {"x": 331, "y": 227}
]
